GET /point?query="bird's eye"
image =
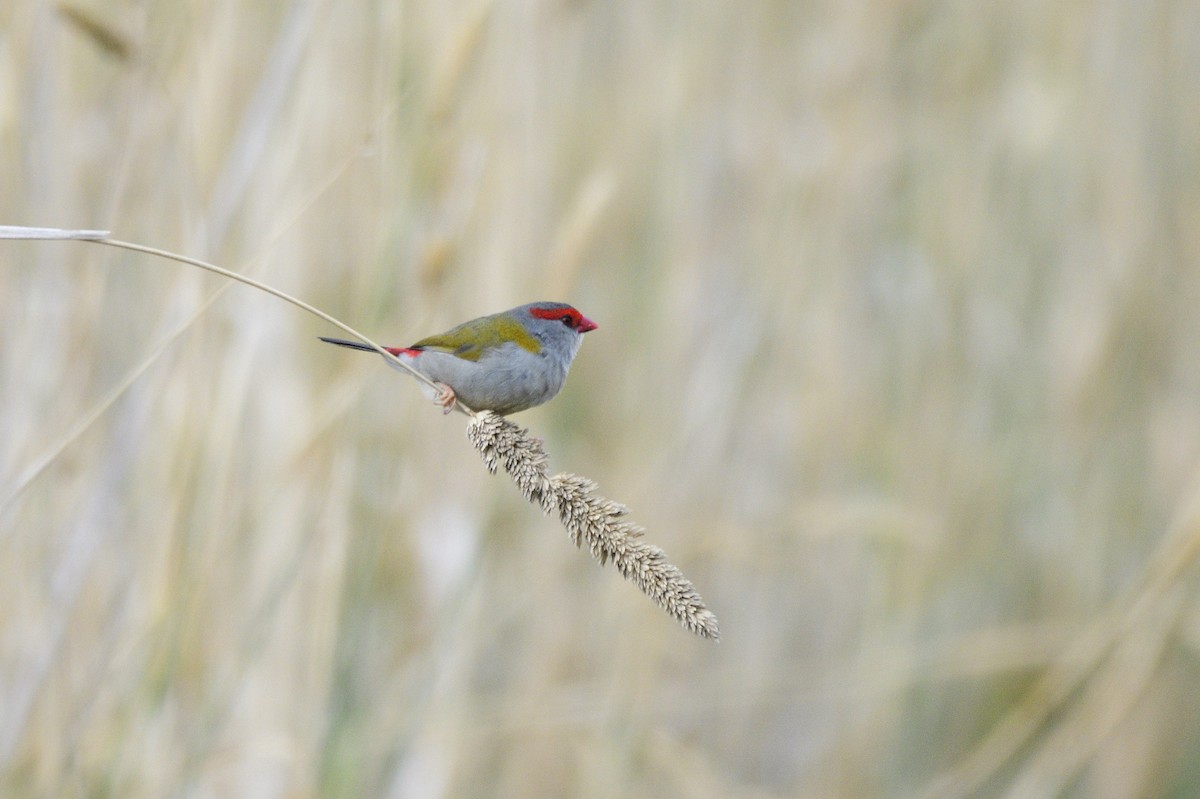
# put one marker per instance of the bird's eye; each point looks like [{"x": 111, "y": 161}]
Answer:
[{"x": 568, "y": 320}]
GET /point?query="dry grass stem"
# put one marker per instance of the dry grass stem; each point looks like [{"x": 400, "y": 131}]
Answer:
[
  {"x": 587, "y": 516},
  {"x": 590, "y": 518},
  {"x": 102, "y": 237},
  {"x": 50, "y": 233}
]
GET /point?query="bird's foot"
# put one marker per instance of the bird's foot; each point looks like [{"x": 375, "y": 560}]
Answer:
[{"x": 445, "y": 398}]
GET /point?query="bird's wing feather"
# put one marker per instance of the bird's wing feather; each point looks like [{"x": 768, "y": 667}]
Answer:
[{"x": 471, "y": 340}]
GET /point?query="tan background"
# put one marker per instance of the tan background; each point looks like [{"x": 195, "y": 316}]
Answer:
[{"x": 899, "y": 305}]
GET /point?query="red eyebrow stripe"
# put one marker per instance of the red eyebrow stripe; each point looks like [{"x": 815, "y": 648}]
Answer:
[{"x": 556, "y": 313}]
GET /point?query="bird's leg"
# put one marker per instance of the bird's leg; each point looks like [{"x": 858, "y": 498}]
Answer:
[{"x": 445, "y": 398}]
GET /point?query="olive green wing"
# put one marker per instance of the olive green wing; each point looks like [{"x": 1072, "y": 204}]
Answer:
[{"x": 471, "y": 340}]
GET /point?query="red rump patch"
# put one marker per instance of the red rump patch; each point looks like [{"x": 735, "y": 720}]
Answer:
[{"x": 569, "y": 316}]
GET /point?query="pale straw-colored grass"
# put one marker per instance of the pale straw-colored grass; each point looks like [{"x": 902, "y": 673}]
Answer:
[{"x": 898, "y": 309}]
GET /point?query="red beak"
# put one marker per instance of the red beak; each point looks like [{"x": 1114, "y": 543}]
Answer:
[{"x": 586, "y": 324}]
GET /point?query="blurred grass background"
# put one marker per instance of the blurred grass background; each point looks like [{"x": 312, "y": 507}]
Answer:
[{"x": 899, "y": 309}]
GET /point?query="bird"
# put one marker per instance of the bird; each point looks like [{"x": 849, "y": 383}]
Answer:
[{"x": 504, "y": 363}]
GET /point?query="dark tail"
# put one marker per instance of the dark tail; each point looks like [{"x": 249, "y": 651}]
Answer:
[{"x": 354, "y": 345}]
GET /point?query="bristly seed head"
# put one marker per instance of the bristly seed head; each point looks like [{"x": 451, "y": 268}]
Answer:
[{"x": 589, "y": 517}]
